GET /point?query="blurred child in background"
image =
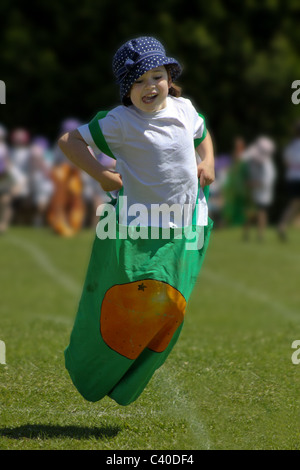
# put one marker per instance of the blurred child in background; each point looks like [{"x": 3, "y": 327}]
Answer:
[
  {"x": 19, "y": 168},
  {"x": 66, "y": 209},
  {"x": 40, "y": 183},
  {"x": 6, "y": 183},
  {"x": 291, "y": 159},
  {"x": 262, "y": 177}
]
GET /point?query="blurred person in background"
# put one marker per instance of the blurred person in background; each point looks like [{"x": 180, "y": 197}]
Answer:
[
  {"x": 6, "y": 183},
  {"x": 291, "y": 158},
  {"x": 216, "y": 196},
  {"x": 40, "y": 182},
  {"x": 236, "y": 190},
  {"x": 262, "y": 175},
  {"x": 20, "y": 153},
  {"x": 66, "y": 212}
]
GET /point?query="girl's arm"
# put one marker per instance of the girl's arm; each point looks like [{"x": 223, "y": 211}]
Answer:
[
  {"x": 75, "y": 148},
  {"x": 206, "y": 169}
]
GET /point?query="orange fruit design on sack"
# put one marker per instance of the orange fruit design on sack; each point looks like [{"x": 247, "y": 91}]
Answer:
[{"x": 141, "y": 314}]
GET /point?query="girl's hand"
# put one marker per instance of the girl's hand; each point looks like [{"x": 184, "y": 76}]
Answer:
[
  {"x": 111, "y": 181},
  {"x": 206, "y": 174},
  {"x": 76, "y": 149},
  {"x": 206, "y": 169}
]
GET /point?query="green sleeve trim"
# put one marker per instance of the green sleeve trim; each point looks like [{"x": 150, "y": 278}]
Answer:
[
  {"x": 206, "y": 192},
  {"x": 98, "y": 136},
  {"x": 198, "y": 141}
]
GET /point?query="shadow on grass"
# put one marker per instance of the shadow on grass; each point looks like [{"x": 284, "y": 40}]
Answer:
[{"x": 44, "y": 431}]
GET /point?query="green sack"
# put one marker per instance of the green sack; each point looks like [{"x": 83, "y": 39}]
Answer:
[{"x": 132, "y": 307}]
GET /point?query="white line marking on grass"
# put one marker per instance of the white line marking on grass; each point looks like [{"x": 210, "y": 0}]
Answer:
[
  {"x": 45, "y": 263},
  {"x": 179, "y": 405},
  {"x": 275, "y": 252},
  {"x": 251, "y": 293},
  {"x": 59, "y": 319}
]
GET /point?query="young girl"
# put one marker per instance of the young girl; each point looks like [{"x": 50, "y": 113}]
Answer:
[{"x": 133, "y": 303}]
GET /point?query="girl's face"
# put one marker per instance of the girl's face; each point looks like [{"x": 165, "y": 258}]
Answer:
[{"x": 149, "y": 92}]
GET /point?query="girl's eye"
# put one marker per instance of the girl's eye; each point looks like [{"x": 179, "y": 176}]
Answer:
[{"x": 158, "y": 77}]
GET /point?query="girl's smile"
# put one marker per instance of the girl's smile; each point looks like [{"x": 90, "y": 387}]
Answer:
[{"x": 149, "y": 98}]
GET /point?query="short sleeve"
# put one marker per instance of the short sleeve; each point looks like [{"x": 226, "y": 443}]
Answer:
[
  {"x": 87, "y": 137},
  {"x": 103, "y": 133},
  {"x": 199, "y": 124},
  {"x": 200, "y": 130}
]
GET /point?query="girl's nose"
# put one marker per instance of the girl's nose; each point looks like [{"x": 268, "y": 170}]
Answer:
[{"x": 150, "y": 82}]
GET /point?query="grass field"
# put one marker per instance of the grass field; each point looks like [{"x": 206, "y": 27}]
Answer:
[{"x": 229, "y": 383}]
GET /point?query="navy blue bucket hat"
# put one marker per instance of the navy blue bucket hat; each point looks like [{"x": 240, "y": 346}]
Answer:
[{"x": 137, "y": 57}]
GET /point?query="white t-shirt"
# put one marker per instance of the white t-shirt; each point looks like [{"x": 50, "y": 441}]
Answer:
[
  {"x": 263, "y": 177},
  {"x": 155, "y": 153}
]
